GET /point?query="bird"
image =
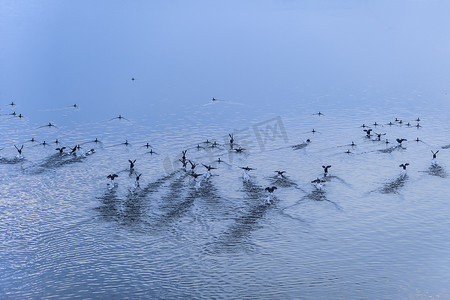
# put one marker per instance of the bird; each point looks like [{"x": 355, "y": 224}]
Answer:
[
  {"x": 112, "y": 177},
  {"x": 270, "y": 197},
  {"x": 48, "y": 125},
  {"x": 184, "y": 162},
  {"x": 152, "y": 152},
  {"x": 318, "y": 114},
  {"x": 433, "y": 161},
  {"x": 183, "y": 154},
  {"x": 325, "y": 170},
  {"x": 404, "y": 165},
  {"x": 318, "y": 183},
  {"x": 12, "y": 104},
  {"x": 131, "y": 164},
  {"x": 120, "y": 118},
  {"x": 348, "y": 151},
  {"x": 368, "y": 132},
  {"x": 400, "y": 141},
  {"x": 136, "y": 183},
  {"x": 74, "y": 149},
  {"x": 280, "y": 174},
  {"x": 379, "y": 136},
  {"x": 271, "y": 189},
  {"x": 209, "y": 168},
  {"x": 61, "y": 149},
  {"x": 247, "y": 168},
  {"x": 193, "y": 165},
  {"x": 239, "y": 150},
  {"x": 19, "y": 150},
  {"x": 231, "y": 138}
]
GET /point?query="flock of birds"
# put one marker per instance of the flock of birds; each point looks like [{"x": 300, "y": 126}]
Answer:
[{"x": 192, "y": 168}]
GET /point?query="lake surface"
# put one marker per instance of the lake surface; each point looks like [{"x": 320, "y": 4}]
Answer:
[{"x": 369, "y": 233}]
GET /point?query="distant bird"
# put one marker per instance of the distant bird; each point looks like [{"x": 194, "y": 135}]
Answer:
[
  {"x": 56, "y": 141},
  {"x": 183, "y": 155},
  {"x": 387, "y": 141},
  {"x": 132, "y": 78},
  {"x": 390, "y": 123},
  {"x": 363, "y": 125},
  {"x": 280, "y": 174},
  {"x": 112, "y": 177},
  {"x": 74, "y": 150},
  {"x": 136, "y": 183},
  {"x": 348, "y": 151},
  {"x": 379, "y": 136},
  {"x": 198, "y": 179},
  {"x": 403, "y": 166},
  {"x": 245, "y": 175},
  {"x": 418, "y": 119},
  {"x": 353, "y": 144},
  {"x": 318, "y": 114},
  {"x": 126, "y": 143},
  {"x": 12, "y": 104},
  {"x": 120, "y": 118},
  {"x": 418, "y": 140},
  {"x": 408, "y": 124},
  {"x": 325, "y": 170},
  {"x": 193, "y": 165},
  {"x": 368, "y": 132},
  {"x": 318, "y": 183},
  {"x": 433, "y": 161},
  {"x": 400, "y": 141},
  {"x": 48, "y": 125},
  {"x": 271, "y": 189},
  {"x": 131, "y": 164},
  {"x": 247, "y": 168},
  {"x": 19, "y": 150},
  {"x": 375, "y": 124},
  {"x": 147, "y": 145},
  {"x": 152, "y": 152},
  {"x": 239, "y": 150},
  {"x": 184, "y": 162},
  {"x": 60, "y": 149},
  {"x": 231, "y": 138},
  {"x": 418, "y": 125},
  {"x": 209, "y": 168}
]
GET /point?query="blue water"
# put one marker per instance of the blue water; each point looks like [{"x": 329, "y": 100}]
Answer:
[{"x": 370, "y": 233}]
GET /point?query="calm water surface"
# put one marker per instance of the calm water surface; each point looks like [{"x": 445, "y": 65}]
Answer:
[{"x": 370, "y": 233}]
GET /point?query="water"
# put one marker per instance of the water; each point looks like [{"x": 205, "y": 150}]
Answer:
[{"x": 369, "y": 233}]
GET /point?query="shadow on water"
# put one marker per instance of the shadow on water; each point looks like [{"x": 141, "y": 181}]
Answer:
[
  {"x": 109, "y": 208},
  {"x": 245, "y": 224},
  {"x": 436, "y": 170},
  {"x": 56, "y": 161},
  {"x": 284, "y": 182},
  {"x": 132, "y": 210},
  {"x": 391, "y": 149},
  {"x": 12, "y": 161},
  {"x": 392, "y": 187}
]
